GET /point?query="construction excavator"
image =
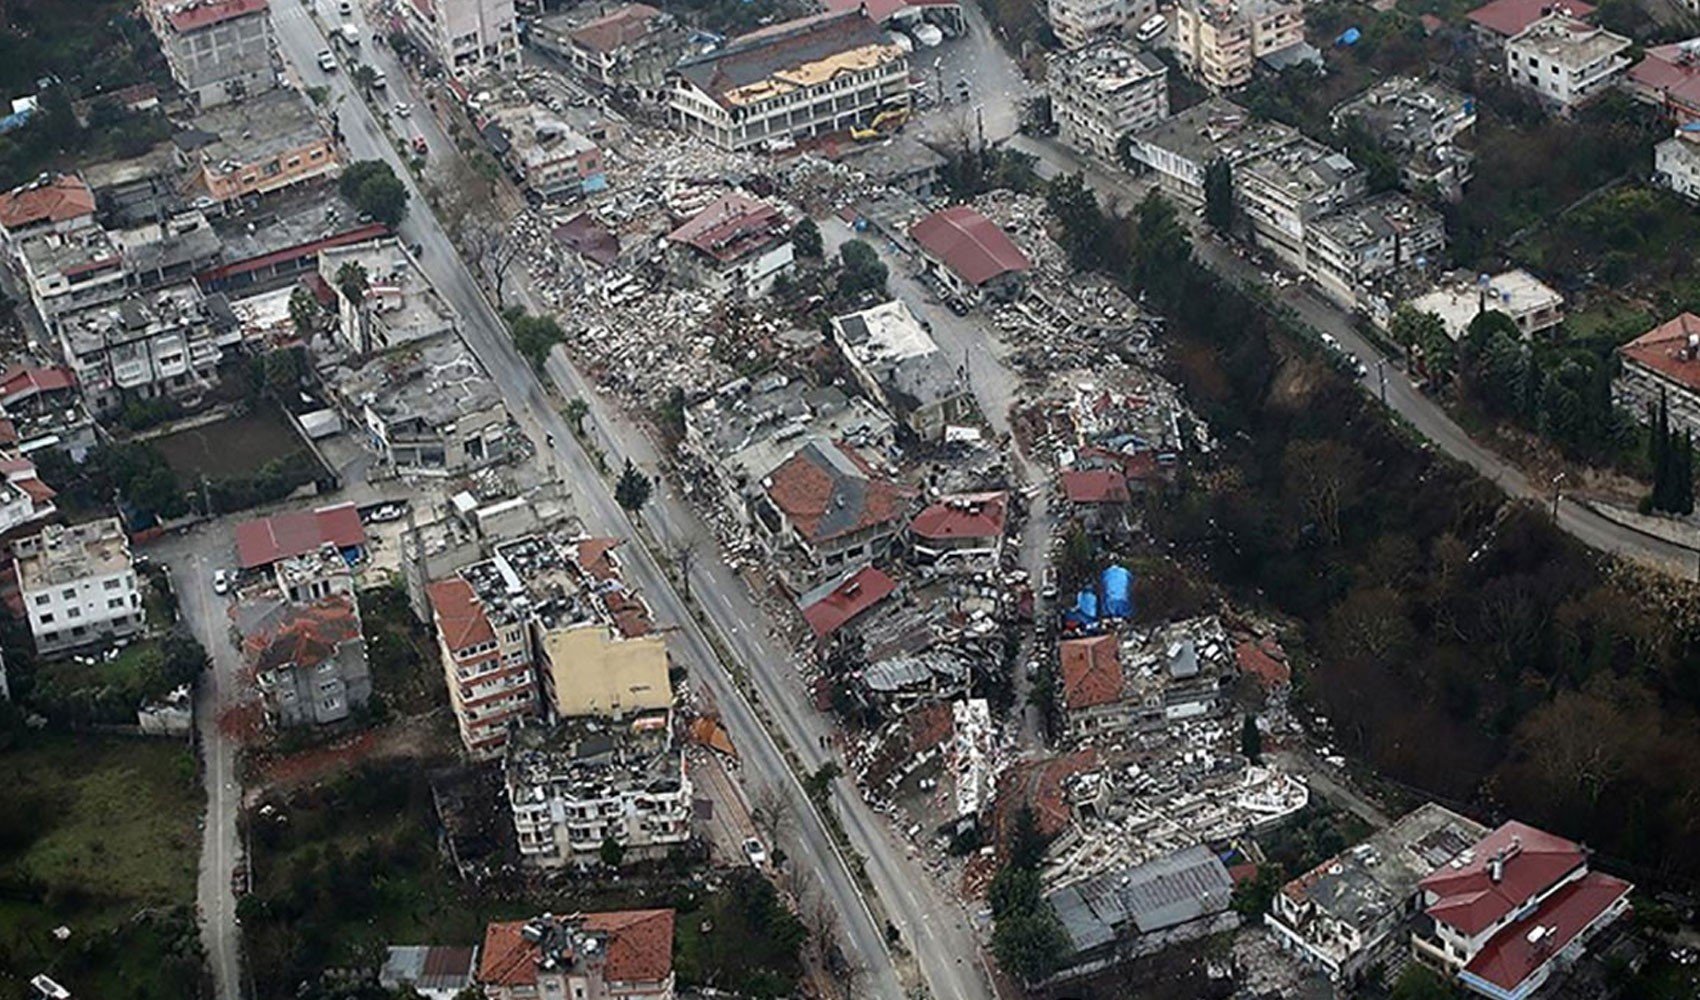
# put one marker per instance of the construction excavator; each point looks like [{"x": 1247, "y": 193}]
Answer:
[{"x": 889, "y": 120}]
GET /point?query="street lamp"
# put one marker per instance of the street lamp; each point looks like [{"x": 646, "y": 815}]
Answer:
[
  {"x": 1381, "y": 373},
  {"x": 1556, "y": 480}
]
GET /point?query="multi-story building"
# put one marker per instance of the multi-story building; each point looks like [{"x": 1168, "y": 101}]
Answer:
[
  {"x": 78, "y": 585},
  {"x": 146, "y": 346},
  {"x": 1498, "y": 21},
  {"x": 68, "y": 271},
  {"x": 265, "y": 144},
  {"x": 397, "y": 304},
  {"x": 1103, "y": 93},
  {"x": 1663, "y": 365},
  {"x": 485, "y": 647},
  {"x": 549, "y": 158},
  {"x": 1676, "y": 164},
  {"x": 1519, "y": 904},
  {"x": 1668, "y": 78},
  {"x": 736, "y": 246},
  {"x": 1532, "y": 304},
  {"x": 1182, "y": 148},
  {"x": 218, "y": 50},
  {"x": 1352, "y": 250},
  {"x": 1420, "y": 121},
  {"x": 797, "y": 80},
  {"x": 622, "y": 955},
  {"x": 1282, "y": 192},
  {"x": 961, "y": 530},
  {"x": 465, "y": 35},
  {"x": 970, "y": 255},
  {"x": 900, "y": 366},
  {"x": 1146, "y": 679},
  {"x": 1350, "y": 912},
  {"x": 631, "y": 47},
  {"x": 825, "y": 504},
  {"x": 1217, "y": 42},
  {"x": 1078, "y": 23},
  {"x": 1565, "y": 62},
  {"x": 56, "y": 203},
  {"x": 309, "y": 659}
]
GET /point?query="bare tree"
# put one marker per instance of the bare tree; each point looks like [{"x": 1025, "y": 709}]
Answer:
[
  {"x": 466, "y": 201},
  {"x": 771, "y": 812}
]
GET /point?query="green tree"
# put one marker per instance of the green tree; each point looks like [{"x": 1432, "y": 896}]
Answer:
[
  {"x": 534, "y": 336},
  {"x": 1219, "y": 195},
  {"x": 375, "y": 190},
  {"x": 575, "y": 410},
  {"x": 1251, "y": 740},
  {"x": 805, "y": 236},
  {"x": 1031, "y": 944},
  {"x": 1026, "y": 842},
  {"x": 364, "y": 76},
  {"x": 1419, "y": 982},
  {"x": 612, "y": 852},
  {"x": 1252, "y": 898},
  {"x": 1085, "y": 229},
  {"x": 863, "y": 271},
  {"x": 352, "y": 282},
  {"x": 1014, "y": 890},
  {"x": 282, "y": 370},
  {"x": 819, "y": 784},
  {"x": 1078, "y": 562},
  {"x": 303, "y": 311},
  {"x": 632, "y": 490}
]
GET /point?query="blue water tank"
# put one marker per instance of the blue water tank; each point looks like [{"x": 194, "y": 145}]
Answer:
[
  {"x": 1117, "y": 584},
  {"x": 1349, "y": 37},
  {"x": 1087, "y": 604}
]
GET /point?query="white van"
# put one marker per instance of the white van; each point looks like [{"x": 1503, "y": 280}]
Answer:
[{"x": 1151, "y": 29}]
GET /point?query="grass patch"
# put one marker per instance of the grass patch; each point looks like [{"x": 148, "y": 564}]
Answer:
[
  {"x": 99, "y": 835},
  {"x": 406, "y": 673}
]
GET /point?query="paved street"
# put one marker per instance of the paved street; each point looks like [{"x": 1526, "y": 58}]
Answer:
[{"x": 936, "y": 927}]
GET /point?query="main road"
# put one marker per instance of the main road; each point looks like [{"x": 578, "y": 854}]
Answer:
[{"x": 933, "y": 926}]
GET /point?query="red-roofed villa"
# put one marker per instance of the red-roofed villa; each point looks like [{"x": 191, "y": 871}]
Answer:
[
  {"x": 1663, "y": 362},
  {"x": 618, "y": 955},
  {"x": 960, "y": 527},
  {"x": 974, "y": 258}
]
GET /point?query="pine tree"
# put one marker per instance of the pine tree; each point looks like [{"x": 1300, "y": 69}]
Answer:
[
  {"x": 1662, "y": 471},
  {"x": 1685, "y": 482}
]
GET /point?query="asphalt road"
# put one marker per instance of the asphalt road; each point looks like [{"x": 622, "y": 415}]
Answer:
[{"x": 934, "y": 927}]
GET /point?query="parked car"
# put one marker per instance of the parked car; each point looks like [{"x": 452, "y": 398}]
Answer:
[
  {"x": 327, "y": 61},
  {"x": 388, "y": 512},
  {"x": 402, "y": 109},
  {"x": 221, "y": 582},
  {"x": 755, "y": 852}
]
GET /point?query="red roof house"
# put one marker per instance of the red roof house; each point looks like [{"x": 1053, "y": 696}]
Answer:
[
  {"x": 20, "y": 383},
  {"x": 969, "y": 246},
  {"x": 62, "y": 199},
  {"x": 963, "y": 521},
  {"x": 1095, "y": 486},
  {"x": 827, "y": 495},
  {"x": 832, "y": 606},
  {"x": 265, "y": 540},
  {"x": 1670, "y": 351},
  {"x": 1256, "y": 662},
  {"x": 614, "y": 31},
  {"x": 1504, "y": 19},
  {"x": 633, "y": 948},
  {"x": 1091, "y": 671},
  {"x": 731, "y": 228},
  {"x": 194, "y": 17},
  {"x": 1669, "y": 78},
  {"x": 459, "y": 614}
]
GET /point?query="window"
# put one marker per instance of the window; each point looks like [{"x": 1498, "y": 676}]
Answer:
[
  {"x": 42, "y": 599},
  {"x": 114, "y": 603},
  {"x": 73, "y": 612},
  {"x": 69, "y": 595},
  {"x": 112, "y": 584},
  {"x": 46, "y": 619}
]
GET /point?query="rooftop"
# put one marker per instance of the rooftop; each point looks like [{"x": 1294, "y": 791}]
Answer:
[
  {"x": 969, "y": 243},
  {"x": 1510, "y": 17},
  {"x": 1095, "y": 486},
  {"x": 63, "y": 554},
  {"x": 46, "y": 200},
  {"x": 832, "y": 605},
  {"x": 194, "y": 15},
  {"x": 1108, "y": 66},
  {"x": 1380, "y": 218},
  {"x": 459, "y": 614},
  {"x": 263, "y": 541},
  {"x": 898, "y": 352},
  {"x": 136, "y": 317},
  {"x": 1217, "y": 129},
  {"x": 1498, "y": 874},
  {"x": 964, "y": 515},
  {"x": 403, "y": 305},
  {"x": 589, "y": 758},
  {"x": 637, "y": 945},
  {"x": 71, "y": 254},
  {"x": 1516, "y": 293},
  {"x": 807, "y": 52},
  {"x": 304, "y": 636},
  {"x": 895, "y": 673},
  {"x": 262, "y": 127},
  {"x": 1091, "y": 671},
  {"x": 1525, "y": 946},
  {"x": 826, "y": 494},
  {"x": 1672, "y": 349},
  {"x": 1570, "y": 42},
  {"x": 750, "y": 428},
  {"x": 428, "y": 967},
  {"x": 1304, "y": 169},
  {"x": 1143, "y": 899},
  {"x": 1410, "y": 114},
  {"x": 434, "y": 382},
  {"x": 731, "y": 228},
  {"x": 1671, "y": 71},
  {"x": 617, "y": 29}
]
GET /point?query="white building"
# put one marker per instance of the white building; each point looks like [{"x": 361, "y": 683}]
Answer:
[
  {"x": 1181, "y": 148},
  {"x": 1082, "y": 22},
  {"x": 218, "y": 50},
  {"x": 1285, "y": 190},
  {"x": 797, "y": 80},
  {"x": 465, "y": 35},
  {"x": 1532, "y": 305},
  {"x": 736, "y": 246},
  {"x": 901, "y": 367},
  {"x": 1676, "y": 164},
  {"x": 1217, "y": 42},
  {"x": 1353, "y": 249},
  {"x": 161, "y": 344},
  {"x": 1566, "y": 62},
  {"x": 1104, "y": 93},
  {"x": 78, "y": 585},
  {"x": 67, "y": 271}
]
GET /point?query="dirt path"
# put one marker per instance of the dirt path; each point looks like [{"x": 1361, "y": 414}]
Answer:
[{"x": 416, "y": 737}]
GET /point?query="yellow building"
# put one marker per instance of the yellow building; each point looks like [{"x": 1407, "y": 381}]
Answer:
[{"x": 589, "y": 670}]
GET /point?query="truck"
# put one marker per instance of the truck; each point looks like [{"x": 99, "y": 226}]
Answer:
[{"x": 350, "y": 35}]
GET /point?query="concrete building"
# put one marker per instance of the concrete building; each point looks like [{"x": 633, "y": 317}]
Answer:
[
  {"x": 1565, "y": 62},
  {"x": 798, "y": 80},
  {"x": 218, "y": 50},
  {"x": 145, "y": 346},
  {"x": 825, "y": 504},
  {"x": 1532, "y": 305},
  {"x": 1182, "y": 148},
  {"x": 67, "y": 271},
  {"x": 1284, "y": 191},
  {"x": 1668, "y": 78},
  {"x": 485, "y": 647},
  {"x": 1663, "y": 363},
  {"x": 579, "y": 785},
  {"x": 1519, "y": 904},
  {"x": 548, "y": 157},
  {"x": 589, "y": 670},
  {"x": 1499, "y": 21},
  {"x": 464, "y": 36},
  {"x": 1079, "y": 23},
  {"x": 427, "y": 407},
  {"x": 970, "y": 256},
  {"x": 623, "y": 955},
  {"x": 1142, "y": 682},
  {"x": 1103, "y": 93},
  {"x": 1419, "y": 121},
  {"x": 630, "y": 48},
  {"x": 1217, "y": 42},
  {"x": 1352, "y": 911},
  {"x": 265, "y": 144},
  {"x": 965, "y": 529},
  {"x": 901, "y": 367},
  {"x": 52, "y": 203},
  {"x": 1354, "y": 250},
  {"x": 735, "y": 247},
  {"x": 397, "y": 305},
  {"x": 1140, "y": 909},
  {"x": 309, "y": 660},
  {"x": 1676, "y": 164},
  {"x": 78, "y": 585},
  {"x": 435, "y": 972},
  {"x": 140, "y": 188}
]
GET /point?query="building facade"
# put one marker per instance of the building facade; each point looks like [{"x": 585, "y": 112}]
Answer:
[
  {"x": 619, "y": 955},
  {"x": 1219, "y": 43},
  {"x": 1103, "y": 93},
  {"x": 146, "y": 346},
  {"x": 1676, "y": 164},
  {"x": 487, "y": 662},
  {"x": 266, "y": 144},
  {"x": 465, "y": 35},
  {"x": 1079, "y": 23},
  {"x": 737, "y": 246},
  {"x": 310, "y": 661},
  {"x": 1566, "y": 62},
  {"x": 1284, "y": 191},
  {"x": 218, "y": 50},
  {"x": 78, "y": 585},
  {"x": 1182, "y": 148},
  {"x": 1349, "y": 252}
]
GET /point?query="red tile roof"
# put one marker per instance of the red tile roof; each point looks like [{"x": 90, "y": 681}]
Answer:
[
  {"x": 1664, "y": 349},
  {"x": 64, "y": 197},
  {"x": 265, "y": 540},
  {"x": 882, "y": 10},
  {"x": 1269, "y": 671},
  {"x": 460, "y": 616},
  {"x": 1666, "y": 75},
  {"x": 307, "y": 635},
  {"x": 1510, "y": 17},
  {"x": 20, "y": 382},
  {"x": 595, "y": 559},
  {"x": 615, "y": 30},
  {"x": 1511, "y": 957},
  {"x": 825, "y": 493},
  {"x": 639, "y": 948},
  {"x": 631, "y": 617},
  {"x": 967, "y": 515},
  {"x": 1470, "y": 899},
  {"x": 311, "y": 248},
  {"x": 1091, "y": 671},
  {"x": 828, "y": 610},
  {"x": 731, "y": 227},
  {"x": 205, "y": 15},
  {"x": 969, "y": 243},
  {"x": 1095, "y": 486}
]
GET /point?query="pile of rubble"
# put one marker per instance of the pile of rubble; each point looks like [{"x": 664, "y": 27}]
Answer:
[{"x": 1115, "y": 408}]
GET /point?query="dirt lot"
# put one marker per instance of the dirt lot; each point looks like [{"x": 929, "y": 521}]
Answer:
[{"x": 238, "y": 446}]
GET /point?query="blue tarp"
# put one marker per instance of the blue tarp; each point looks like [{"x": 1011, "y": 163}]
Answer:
[
  {"x": 1349, "y": 37},
  {"x": 1087, "y": 604},
  {"x": 1117, "y": 583}
]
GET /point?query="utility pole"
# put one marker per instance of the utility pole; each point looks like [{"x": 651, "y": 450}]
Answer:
[
  {"x": 684, "y": 554},
  {"x": 1556, "y": 480}
]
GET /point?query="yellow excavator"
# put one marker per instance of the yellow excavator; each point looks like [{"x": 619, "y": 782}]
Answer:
[{"x": 890, "y": 119}]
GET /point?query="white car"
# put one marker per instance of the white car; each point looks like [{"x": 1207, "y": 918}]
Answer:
[
  {"x": 327, "y": 61},
  {"x": 402, "y": 110},
  {"x": 221, "y": 582},
  {"x": 388, "y": 512},
  {"x": 755, "y": 852}
]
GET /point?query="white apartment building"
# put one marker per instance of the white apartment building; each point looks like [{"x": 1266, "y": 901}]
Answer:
[
  {"x": 465, "y": 35},
  {"x": 1081, "y": 22},
  {"x": 1104, "y": 93},
  {"x": 1676, "y": 164},
  {"x": 67, "y": 271},
  {"x": 1217, "y": 42},
  {"x": 1284, "y": 190},
  {"x": 487, "y": 663},
  {"x": 1566, "y": 62},
  {"x": 164, "y": 343},
  {"x": 1182, "y": 148},
  {"x": 78, "y": 585},
  {"x": 1533, "y": 305},
  {"x": 218, "y": 50},
  {"x": 1352, "y": 250},
  {"x": 797, "y": 80}
]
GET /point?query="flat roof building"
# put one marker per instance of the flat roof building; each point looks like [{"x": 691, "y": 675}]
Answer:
[
  {"x": 218, "y": 50},
  {"x": 78, "y": 585},
  {"x": 1565, "y": 62},
  {"x": 901, "y": 367},
  {"x": 1105, "y": 92},
  {"x": 1183, "y": 147},
  {"x": 268, "y": 143},
  {"x": 1218, "y": 43},
  {"x": 1419, "y": 121},
  {"x": 1285, "y": 190},
  {"x": 1531, "y": 303}
]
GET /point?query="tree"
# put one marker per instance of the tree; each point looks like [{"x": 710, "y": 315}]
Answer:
[
  {"x": 1419, "y": 982},
  {"x": 352, "y": 282},
  {"x": 1078, "y": 563},
  {"x": 1032, "y": 944},
  {"x": 612, "y": 852},
  {"x": 1219, "y": 195},
  {"x": 1085, "y": 229},
  {"x": 1251, "y": 740},
  {"x": 1419, "y": 333},
  {"x": 819, "y": 784},
  {"x": 863, "y": 271},
  {"x": 632, "y": 490},
  {"x": 805, "y": 236},
  {"x": 1026, "y": 843},
  {"x": 534, "y": 336},
  {"x": 575, "y": 410},
  {"x": 303, "y": 311},
  {"x": 364, "y": 76},
  {"x": 282, "y": 370},
  {"x": 375, "y": 191}
]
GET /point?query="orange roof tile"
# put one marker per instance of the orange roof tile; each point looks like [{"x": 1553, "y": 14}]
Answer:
[
  {"x": 1665, "y": 349},
  {"x": 460, "y": 616},
  {"x": 63, "y": 198},
  {"x": 1091, "y": 671}
]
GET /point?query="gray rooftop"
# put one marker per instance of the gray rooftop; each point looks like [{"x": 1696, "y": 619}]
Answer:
[
  {"x": 1367, "y": 881},
  {"x": 1169, "y": 891},
  {"x": 1217, "y": 128},
  {"x": 257, "y": 129},
  {"x": 434, "y": 381},
  {"x": 1108, "y": 66},
  {"x": 1409, "y": 114},
  {"x": 1381, "y": 218},
  {"x": 1303, "y": 169},
  {"x": 899, "y": 672}
]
